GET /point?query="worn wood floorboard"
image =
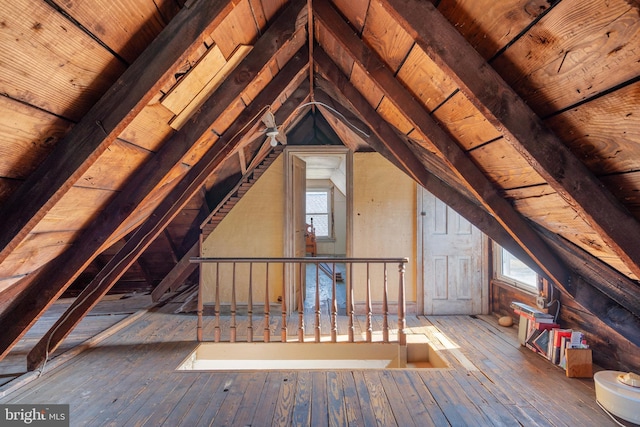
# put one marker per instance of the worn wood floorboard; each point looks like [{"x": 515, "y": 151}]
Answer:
[
  {"x": 108, "y": 312},
  {"x": 283, "y": 413},
  {"x": 352, "y": 404},
  {"x": 130, "y": 379},
  {"x": 335, "y": 397},
  {"x": 267, "y": 400}
]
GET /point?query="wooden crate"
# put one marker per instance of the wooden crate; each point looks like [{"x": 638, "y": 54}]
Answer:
[{"x": 579, "y": 363}]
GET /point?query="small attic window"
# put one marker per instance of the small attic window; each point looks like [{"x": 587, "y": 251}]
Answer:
[{"x": 511, "y": 270}]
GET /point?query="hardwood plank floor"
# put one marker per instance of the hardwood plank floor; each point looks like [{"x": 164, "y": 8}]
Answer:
[
  {"x": 130, "y": 379},
  {"x": 111, "y": 310}
]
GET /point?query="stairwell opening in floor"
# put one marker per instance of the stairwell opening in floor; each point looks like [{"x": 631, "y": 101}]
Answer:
[{"x": 417, "y": 354}]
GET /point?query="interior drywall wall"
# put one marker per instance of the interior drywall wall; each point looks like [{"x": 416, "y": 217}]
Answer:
[
  {"x": 253, "y": 228},
  {"x": 384, "y": 226},
  {"x": 384, "y": 223}
]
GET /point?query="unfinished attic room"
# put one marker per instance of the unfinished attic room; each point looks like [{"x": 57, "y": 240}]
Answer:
[{"x": 320, "y": 212}]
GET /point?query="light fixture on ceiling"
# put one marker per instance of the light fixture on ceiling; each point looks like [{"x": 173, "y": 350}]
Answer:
[{"x": 272, "y": 130}]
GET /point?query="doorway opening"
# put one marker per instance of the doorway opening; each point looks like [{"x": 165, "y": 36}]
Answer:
[{"x": 319, "y": 192}]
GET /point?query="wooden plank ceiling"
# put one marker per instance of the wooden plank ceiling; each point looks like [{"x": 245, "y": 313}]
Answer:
[{"x": 123, "y": 123}]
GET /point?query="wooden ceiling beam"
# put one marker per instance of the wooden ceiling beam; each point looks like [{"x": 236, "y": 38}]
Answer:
[
  {"x": 344, "y": 122},
  {"x": 430, "y": 161},
  {"x": 451, "y": 153},
  {"x": 542, "y": 149},
  {"x": 60, "y": 273},
  {"x": 89, "y": 138},
  {"x": 391, "y": 146},
  {"x": 184, "y": 267},
  {"x": 162, "y": 216}
]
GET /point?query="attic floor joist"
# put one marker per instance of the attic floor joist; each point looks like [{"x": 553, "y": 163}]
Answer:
[{"x": 279, "y": 40}]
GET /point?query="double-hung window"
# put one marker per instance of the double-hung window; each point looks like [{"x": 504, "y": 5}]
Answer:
[{"x": 319, "y": 212}]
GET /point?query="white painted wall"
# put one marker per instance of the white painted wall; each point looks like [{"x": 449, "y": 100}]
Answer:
[
  {"x": 384, "y": 226},
  {"x": 384, "y": 221},
  {"x": 253, "y": 228}
]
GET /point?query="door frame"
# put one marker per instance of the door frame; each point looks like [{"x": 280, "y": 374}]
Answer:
[{"x": 291, "y": 151}]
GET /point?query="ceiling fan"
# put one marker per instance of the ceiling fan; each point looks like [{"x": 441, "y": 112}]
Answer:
[{"x": 272, "y": 130}]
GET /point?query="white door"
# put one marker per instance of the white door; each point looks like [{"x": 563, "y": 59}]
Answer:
[{"x": 454, "y": 270}]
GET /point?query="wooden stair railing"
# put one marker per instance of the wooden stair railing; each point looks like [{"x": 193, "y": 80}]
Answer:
[{"x": 250, "y": 263}]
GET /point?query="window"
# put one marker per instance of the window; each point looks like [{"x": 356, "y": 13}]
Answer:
[
  {"x": 319, "y": 209},
  {"x": 513, "y": 271}
]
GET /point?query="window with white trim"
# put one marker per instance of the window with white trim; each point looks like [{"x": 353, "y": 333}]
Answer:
[{"x": 511, "y": 270}]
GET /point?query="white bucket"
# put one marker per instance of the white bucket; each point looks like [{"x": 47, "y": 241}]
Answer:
[{"x": 620, "y": 399}]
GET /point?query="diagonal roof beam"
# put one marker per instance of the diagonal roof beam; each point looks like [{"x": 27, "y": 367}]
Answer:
[
  {"x": 499, "y": 103},
  {"x": 391, "y": 146},
  {"x": 52, "y": 280},
  {"x": 451, "y": 153},
  {"x": 430, "y": 161},
  {"x": 165, "y": 212},
  {"x": 184, "y": 267},
  {"x": 89, "y": 138}
]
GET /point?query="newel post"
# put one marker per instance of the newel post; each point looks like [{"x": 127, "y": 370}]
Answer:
[
  {"x": 402, "y": 338},
  {"x": 200, "y": 301}
]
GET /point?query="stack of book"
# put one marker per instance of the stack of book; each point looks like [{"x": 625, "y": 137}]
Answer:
[{"x": 539, "y": 332}]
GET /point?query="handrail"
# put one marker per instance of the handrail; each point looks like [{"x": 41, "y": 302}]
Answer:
[
  {"x": 306, "y": 260},
  {"x": 349, "y": 262}
]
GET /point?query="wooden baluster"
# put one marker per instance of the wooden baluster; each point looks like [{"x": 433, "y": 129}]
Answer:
[
  {"x": 267, "y": 330},
  {"x": 317, "y": 334},
  {"x": 402, "y": 338},
  {"x": 250, "y": 305},
  {"x": 200, "y": 302},
  {"x": 334, "y": 306},
  {"x": 368, "y": 302},
  {"x": 216, "y": 332},
  {"x": 303, "y": 268},
  {"x": 283, "y": 330},
  {"x": 232, "y": 328},
  {"x": 385, "y": 308},
  {"x": 350, "y": 304}
]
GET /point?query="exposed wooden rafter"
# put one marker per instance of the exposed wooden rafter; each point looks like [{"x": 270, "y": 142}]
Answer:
[
  {"x": 176, "y": 200},
  {"x": 390, "y": 145},
  {"x": 449, "y": 151},
  {"x": 499, "y": 103},
  {"x": 82, "y": 146},
  {"x": 59, "y": 274},
  {"x": 184, "y": 267}
]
